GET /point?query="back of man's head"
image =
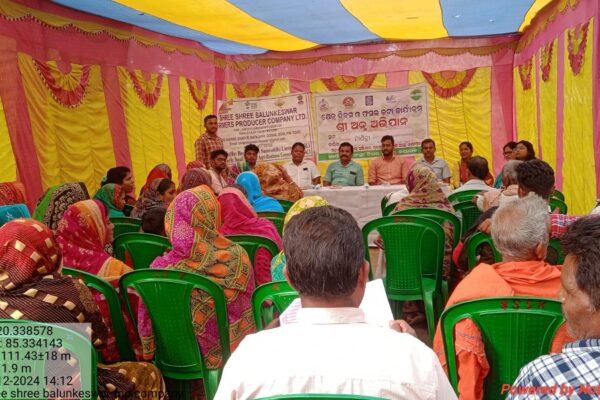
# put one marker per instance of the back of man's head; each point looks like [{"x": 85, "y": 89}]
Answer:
[
  {"x": 324, "y": 252},
  {"x": 509, "y": 172},
  {"x": 518, "y": 228},
  {"x": 478, "y": 166},
  {"x": 535, "y": 176}
]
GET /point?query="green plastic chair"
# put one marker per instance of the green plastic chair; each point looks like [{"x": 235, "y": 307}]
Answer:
[
  {"x": 166, "y": 295},
  {"x": 558, "y": 194},
  {"x": 127, "y": 210},
  {"x": 384, "y": 201},
  {"x": 475, "y": 241},
  {"x": 555, "y": 244},
  {"x": 286, "y": 204},
  {"x": 251, "y": 243},
  {"x": 280, "y": 293},
  {"x": 469, "y": 213},
  {"x": 114, "y": 308},
  {"x": 125, "y": 225},
  {"x": 141, "y": 247},
  {"x": 275, "y": 217},
  {"x": 320, "y": 397},
  {"x": 555, "y": 203},
  {"x": 515, "y": 330},
  {"x": 414, "y": 252},
  {"x": 439, "y": 216},
  {"x": 79, "y": 347},
  {"x": 466, "y": 195},
  {"x": 389, "y": 208}
]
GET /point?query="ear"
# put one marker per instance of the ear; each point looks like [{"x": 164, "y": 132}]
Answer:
[
  {"x": 363, "y": 276},
  {"x": 287, "y": 278},
  {"x": 522, "y": 191},
  {"x": 540, "y": 251}
]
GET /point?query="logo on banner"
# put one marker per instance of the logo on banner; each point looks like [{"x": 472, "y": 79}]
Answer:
[
  {"x": 251, "y": 105},
  {"x": 416, "y": 94},
  {"x": 348, "y": 102},
  {"x": 323, "y": 105},
  {"x": 300, "y": 100},
  {"x": 279, "y": 102},
  {"x": 368, "y": 100},
  {"x": 225, "y": 107}
]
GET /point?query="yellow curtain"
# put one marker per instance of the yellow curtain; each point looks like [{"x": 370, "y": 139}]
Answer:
[
  {"x": 465, "y": 116},
  {"x": 579, "y": 179},
  {"x": 70, "y": 128},
  {"x": 149, "y": 129},
  {"x": 8, "y": 167},
  {"x": 192, "y": 117},
  {"x": 548, "y": 94},
  {"x": 275, "y": 87},
  {"x": 525, "y": 101}
]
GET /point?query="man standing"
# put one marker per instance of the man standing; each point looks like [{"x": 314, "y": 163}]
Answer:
[
  {"x": 331, "y": 349},
  {"x": 574, "y": 373},
  {"x": 478, "y": 171},
  {"x": 303, "y": 172},
  {"x": 388, "y": 168},
  {"x": 209, "y": 141},
  {"x": 438, "y": 165},
  {"x": 218, "y": 166},
  {"x": 344, "y": 172}
]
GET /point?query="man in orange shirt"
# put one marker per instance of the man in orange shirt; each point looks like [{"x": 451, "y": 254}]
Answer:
[{"x": 388, "y": 168}]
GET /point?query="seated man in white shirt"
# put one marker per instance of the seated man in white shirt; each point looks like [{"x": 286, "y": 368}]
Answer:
[
  {"x": 303, "y": 172},
  {"x": 478, "y": 171},
  {"x": 331, "y": 349}
]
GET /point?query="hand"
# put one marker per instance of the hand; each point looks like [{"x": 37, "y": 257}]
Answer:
[
  {"x": 486, "y": 226},
  {"x": 402, "y": 326}
]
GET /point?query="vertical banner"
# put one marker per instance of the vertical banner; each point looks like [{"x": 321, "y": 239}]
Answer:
[
  {"x": 271, "y": 123},
  {"x": 362, "y": 117}
]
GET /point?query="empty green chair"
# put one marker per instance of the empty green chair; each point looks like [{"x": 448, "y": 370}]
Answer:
[
  {"x": 286, "y": 204},
  {"x": 280, "y": 293},
  {"x": 475, "y": 241},
  {"x": 320, "y": 397},
  {"x": 78, "y": 345},
  {"x": 114, "y": 308},
  {"x": 558, "y": 194},
  {"x": 414, "y": 252},
  {"x": 251, "y": 243},
  {"x": 556, "y": 246},
  {"x": 515, "y": 330},
  {"x": 142, "y": 248},
  {"x": 125, "y": 225},
  {"x": 275, "y": 217},
  {"x": 555, "y": 203},
  {"x": 166, "y": 295},
  {"x": 468, "y": 213},
  {"x": 465, "y": 195},
  {"x": 389, "y": 208}
]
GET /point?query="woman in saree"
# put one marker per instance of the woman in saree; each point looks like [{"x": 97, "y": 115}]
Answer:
[
  {"x": 113, "y": 197},
  {"x": 305, "y": 203},
  {"x": 239, "y": 218},
  {"x": 249, "y": 181},
  {"x": 160, "y": 171},
  {"x": 160, "y": 193},
  {"x": 82, "y": 235},
  {"x": 194, "y": 177},
  {"x": 56, "y": 200},
  {"x": 12, "y": 193},
  {"x": 122, "y": 176},
  {"x": 276, "y": 182},
  {"x": 33, "y": 288},
  {"x": 192, "y": 224}
]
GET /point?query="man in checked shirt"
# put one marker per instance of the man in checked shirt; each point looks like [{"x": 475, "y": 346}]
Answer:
[{"x": 209, "y": 141}]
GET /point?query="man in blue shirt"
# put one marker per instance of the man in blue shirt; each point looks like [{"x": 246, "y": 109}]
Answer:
[
  {"x": 574, "y": 373},
  {"x": 437, "y": 165},
  {"x": 344, "y": 172}
]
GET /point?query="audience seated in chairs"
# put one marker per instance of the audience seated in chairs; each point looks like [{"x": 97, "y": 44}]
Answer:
[
  {"x": 478, "y": 173},
  {"x": 520, "y": 233},
  {"x": 500, "y": 197},
  {"x": 578, "y": 366},
  {"x": 153, "y": 221},
  {"x": 330, "y": 349}
]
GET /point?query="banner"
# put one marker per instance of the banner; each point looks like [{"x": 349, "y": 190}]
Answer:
[
  {"x": 271, "y": 123},
  {"x": 362, "y": 117}
]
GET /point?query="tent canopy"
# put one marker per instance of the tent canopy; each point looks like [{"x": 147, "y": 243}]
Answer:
[{"x": 257, "y": 26}]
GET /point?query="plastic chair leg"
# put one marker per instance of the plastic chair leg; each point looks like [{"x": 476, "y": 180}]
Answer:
[
  {"x": 429, "y": 314},
  {"x": 445, "y": 290}
]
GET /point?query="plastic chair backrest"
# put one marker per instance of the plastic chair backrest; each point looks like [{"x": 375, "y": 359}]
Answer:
[
  {"x": 251, "y": 243},
  {"x": 469, "y": 213},
  {"x": 558, "y": 194},
  {"x": 279, "y": 292},
  {"x": 555, "y": 244},
  {"x": 125, "y": 225},
  {"x": 555, "y": 203},
  {"x": 13, "y": 211},
  {"x": 477, "y": 240},
  {"x": 275, "y": 217},
  {"x": 384, "y": 201},
  {"x": 127, "y": 209},
  {"x": 286, "y": 204},
  {"x": 320, "y": 397},
  {"x": 141, "y": 247},
  {"x": 439, "y": 216},
  {"x": 79, "y": 347},
  {"x": 515, "y": 330},
  {"x": 414, "y": 249},
  {"x": 389, "y": 208},
  {"x": 465, "y": 195},
  {"x": 114, "y": 308},
  {"x": 166, "y": 295}
]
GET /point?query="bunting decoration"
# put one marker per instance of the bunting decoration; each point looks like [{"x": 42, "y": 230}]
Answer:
[
  {"x": 148, "y": 91},
  {"x": 525, "y": 74},
  {"x": 253, "y": 89},
  {"x": 198, "y": 91},
  {"x": 546, "y": 60},
  {"x": 576, "y": 44},
  {"x": 67, "y": 89},
  {"x": 344, "y": 82},
  {"x": 447, "y": 84}
]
